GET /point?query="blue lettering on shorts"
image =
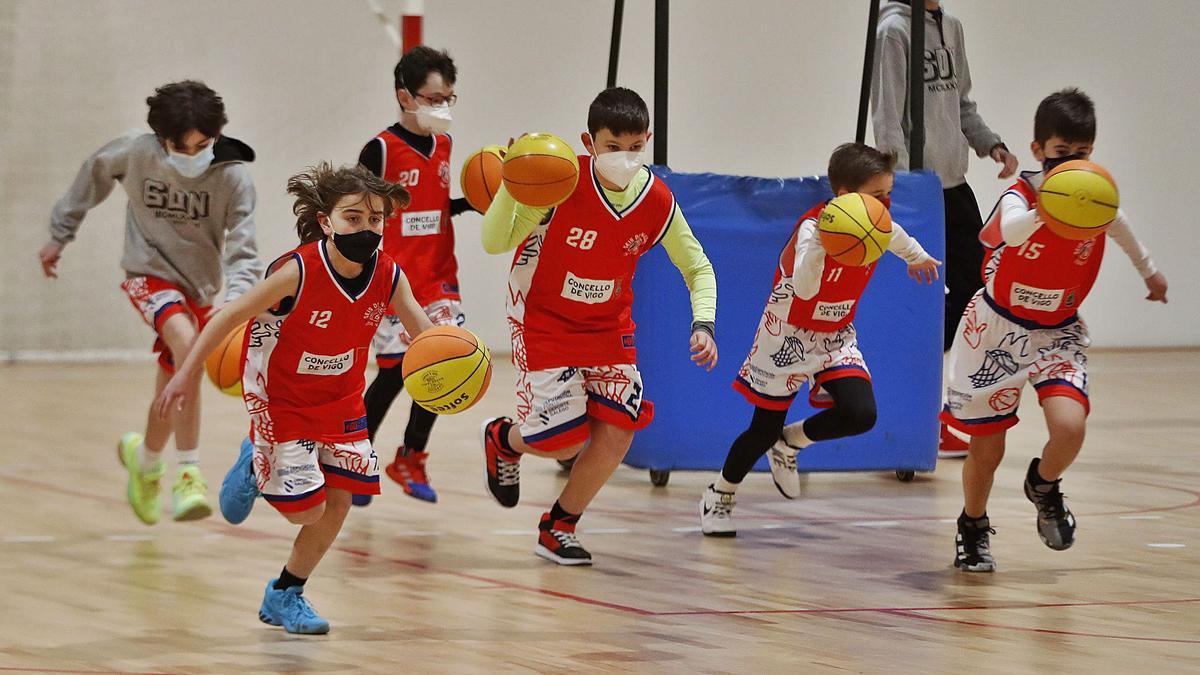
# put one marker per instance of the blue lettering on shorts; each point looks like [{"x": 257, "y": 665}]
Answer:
[
  {"x": 350, "y": 426},
  {"x": 627, "y": 341}
]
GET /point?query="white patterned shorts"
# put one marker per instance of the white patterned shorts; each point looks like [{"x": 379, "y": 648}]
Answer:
[
  {"x": 554, "y": 405},
  {"x": 784, "y": 357},
  {"x": 293, "y": 475},
  {"x": 994, "y": 354}
]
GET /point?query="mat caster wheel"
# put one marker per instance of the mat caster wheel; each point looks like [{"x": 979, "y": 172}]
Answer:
[
  {"x": 659, "y": 478},
  {"x": 905, "y": 475},
  {"x": 566, "y": 464}
]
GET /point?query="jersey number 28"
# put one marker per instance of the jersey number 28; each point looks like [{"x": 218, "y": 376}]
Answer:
[{"x": 581, "y": 239}]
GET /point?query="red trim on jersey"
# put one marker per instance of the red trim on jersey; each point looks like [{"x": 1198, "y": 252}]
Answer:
[
  {"x": 296, "y": 504},
  {"x": 424, "y": 248},
  {"x": 1051, "y": 388},
  {"x": 762, "y": 400},
  {"x": 983, "y": 427}
]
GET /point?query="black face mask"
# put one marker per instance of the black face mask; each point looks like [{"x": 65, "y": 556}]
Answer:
[
  {"x": 1049, "y": 163},
  {"x": 359, "y": 246}
]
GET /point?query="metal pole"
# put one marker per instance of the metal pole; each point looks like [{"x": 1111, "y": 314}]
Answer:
[
  {"x": 614, "y": 47},
  {"x": 916, "y": 88},
  {"x": 662, "y": 13},
  {"x": 864, "y": 96}
]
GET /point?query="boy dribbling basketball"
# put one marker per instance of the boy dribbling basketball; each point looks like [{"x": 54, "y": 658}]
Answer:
[
  {"x": 188, "y": 224},
  {"x": 1024, "y": 326},
  {"x": 569, "y": 300},
  {"x": 312, "y": 320},
  {"x": 415, "y": 153},
  {"x": 806, "y": 334}
]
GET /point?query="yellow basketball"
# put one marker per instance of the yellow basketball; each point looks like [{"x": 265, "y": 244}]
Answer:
[
  {"x": 447, "y": 369},
  {"x": 855, "y": 229},
  {"x": 1078, "y": 199}
]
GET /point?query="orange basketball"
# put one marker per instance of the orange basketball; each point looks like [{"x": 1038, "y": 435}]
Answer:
[
  {"x": 447, "y": 369},
  {"x": 855, "y": 229},
  {"x": 224, "y": 364},
  {"x": 540, "y": 170},
  {"x": 481, "y": 178}
]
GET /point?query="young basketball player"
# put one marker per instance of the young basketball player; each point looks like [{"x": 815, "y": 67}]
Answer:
[
  {"x": 578, "y": 387},
  {"x": 1023, "y": 326},
  {"x": 312, "y": 320},
  {"x": 415, "y": 153},
  {"x": 189, "y": 222},
  {"x": 806, "y": 334}
]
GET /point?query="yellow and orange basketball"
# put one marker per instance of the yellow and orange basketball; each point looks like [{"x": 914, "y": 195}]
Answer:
[
  {"x": 540, "y": 170},
  {"x": 855, "y": 229},
  {"x": 481, "y": 176},
  {"x": 224, "y": 364},
  {"x": 447, "y": 369},
  {"x": 1078, "y": 199}
]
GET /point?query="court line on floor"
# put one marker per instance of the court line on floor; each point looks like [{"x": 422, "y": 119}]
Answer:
[
  {"x": 1028, "y": 629},
  {"x": 912, "y": 612}
]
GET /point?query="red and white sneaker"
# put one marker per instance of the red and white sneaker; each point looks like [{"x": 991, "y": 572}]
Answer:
[
  {"x": 502, "y": 467},
  {"x": 408, "y": 469},
  {"x": 950, "y": 446},
  {"x": 557, "y": 542}
]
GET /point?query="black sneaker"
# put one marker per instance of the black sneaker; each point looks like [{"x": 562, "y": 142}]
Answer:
[
  {"x": 557, "y": 542},
  {"x": 973, "y": 545},
  {"x": 502, "y": 467},
  {"x": 1055, "y": 522}
]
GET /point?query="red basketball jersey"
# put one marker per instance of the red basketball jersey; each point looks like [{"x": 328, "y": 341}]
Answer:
[
  {"x": 1045, "y": 279},
  {"x": 304, "y": 362},
  {"x": 836, "y": 301},
  {"x": 420, "y": 238},
  {"x": 570, "y": 286}
]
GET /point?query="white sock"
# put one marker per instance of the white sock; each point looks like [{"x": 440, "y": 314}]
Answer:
[
  {"x": 147, "y": 458},
  {"x": 186, "y": 458},
  {"x": 723, "y": 485},
  {"x": 793, "y": 435}
]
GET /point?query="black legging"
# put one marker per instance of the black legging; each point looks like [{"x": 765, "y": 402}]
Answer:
[
  {"x": 853, "y": 413},
  {"x": 378, "y": 399},
  {"x": 964, "y": 255}
]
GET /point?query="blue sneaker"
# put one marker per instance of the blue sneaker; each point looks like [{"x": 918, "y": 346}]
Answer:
[
  {"x": 290, "y": 609},
  {"x": 360, "y": 500},
  {"x": 239, "y": 489}
]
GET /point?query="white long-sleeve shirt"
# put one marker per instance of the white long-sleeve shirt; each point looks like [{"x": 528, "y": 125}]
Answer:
[{"x": 810, "y": 256}]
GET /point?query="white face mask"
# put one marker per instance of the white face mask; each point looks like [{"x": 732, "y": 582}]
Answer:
[
  {"x": 619, "y": 167},
  {"x": 191, "y": 166},
  {"x": 434, "y": 119}
]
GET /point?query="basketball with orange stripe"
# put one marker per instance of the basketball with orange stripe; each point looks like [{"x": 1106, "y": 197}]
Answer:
[
  {"x": 447, "y": 369},
  {"x": 481, "y": 177},
  {"x": 855, "y": 229},
  {"x": 224, "y": 364},
  {"x": 540, "y": 170},
  {"x": 1078, "y": 199}
]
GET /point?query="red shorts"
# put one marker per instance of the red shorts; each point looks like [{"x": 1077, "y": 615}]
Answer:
[{"x": 158, "y": 300}]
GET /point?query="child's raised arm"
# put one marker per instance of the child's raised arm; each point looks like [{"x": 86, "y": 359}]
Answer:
[
  {"x": 922, "y": 267},
  {"x": 257, "y": 300}
]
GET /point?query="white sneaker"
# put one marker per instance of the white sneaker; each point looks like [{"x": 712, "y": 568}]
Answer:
[
  {"x": 782, "y": 458},
  {"x": 716, "y": 513}
]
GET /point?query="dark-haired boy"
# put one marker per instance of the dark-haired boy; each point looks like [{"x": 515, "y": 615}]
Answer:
[
  {"x": 569, "y": 300},
  {"x": 807, "y": 334},
  {"x": 415, "y": 153},
  {"x": 188, "y": 227},
  {"x": 1023, "y": 326}
]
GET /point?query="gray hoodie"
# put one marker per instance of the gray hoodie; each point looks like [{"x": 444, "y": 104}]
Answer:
[
  {"x": 951, "y": 121},
  {"x": 183, "y": 230}
]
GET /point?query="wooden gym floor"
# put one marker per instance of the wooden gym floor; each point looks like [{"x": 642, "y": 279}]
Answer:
[{"x": 855, "y": 576}]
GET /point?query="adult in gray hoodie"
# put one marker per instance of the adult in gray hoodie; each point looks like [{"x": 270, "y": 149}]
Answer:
[
  {"x": 953, "y": 127},
  {"x": 189, "y": 218}
]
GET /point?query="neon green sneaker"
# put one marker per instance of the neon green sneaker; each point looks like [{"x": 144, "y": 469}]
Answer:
[
  {"x": 187, "y": 495},
  {"x": 142, "y": 490}
]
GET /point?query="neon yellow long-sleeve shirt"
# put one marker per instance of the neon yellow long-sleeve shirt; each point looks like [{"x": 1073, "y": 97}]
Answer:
[{"x": 507, "y": 223}]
